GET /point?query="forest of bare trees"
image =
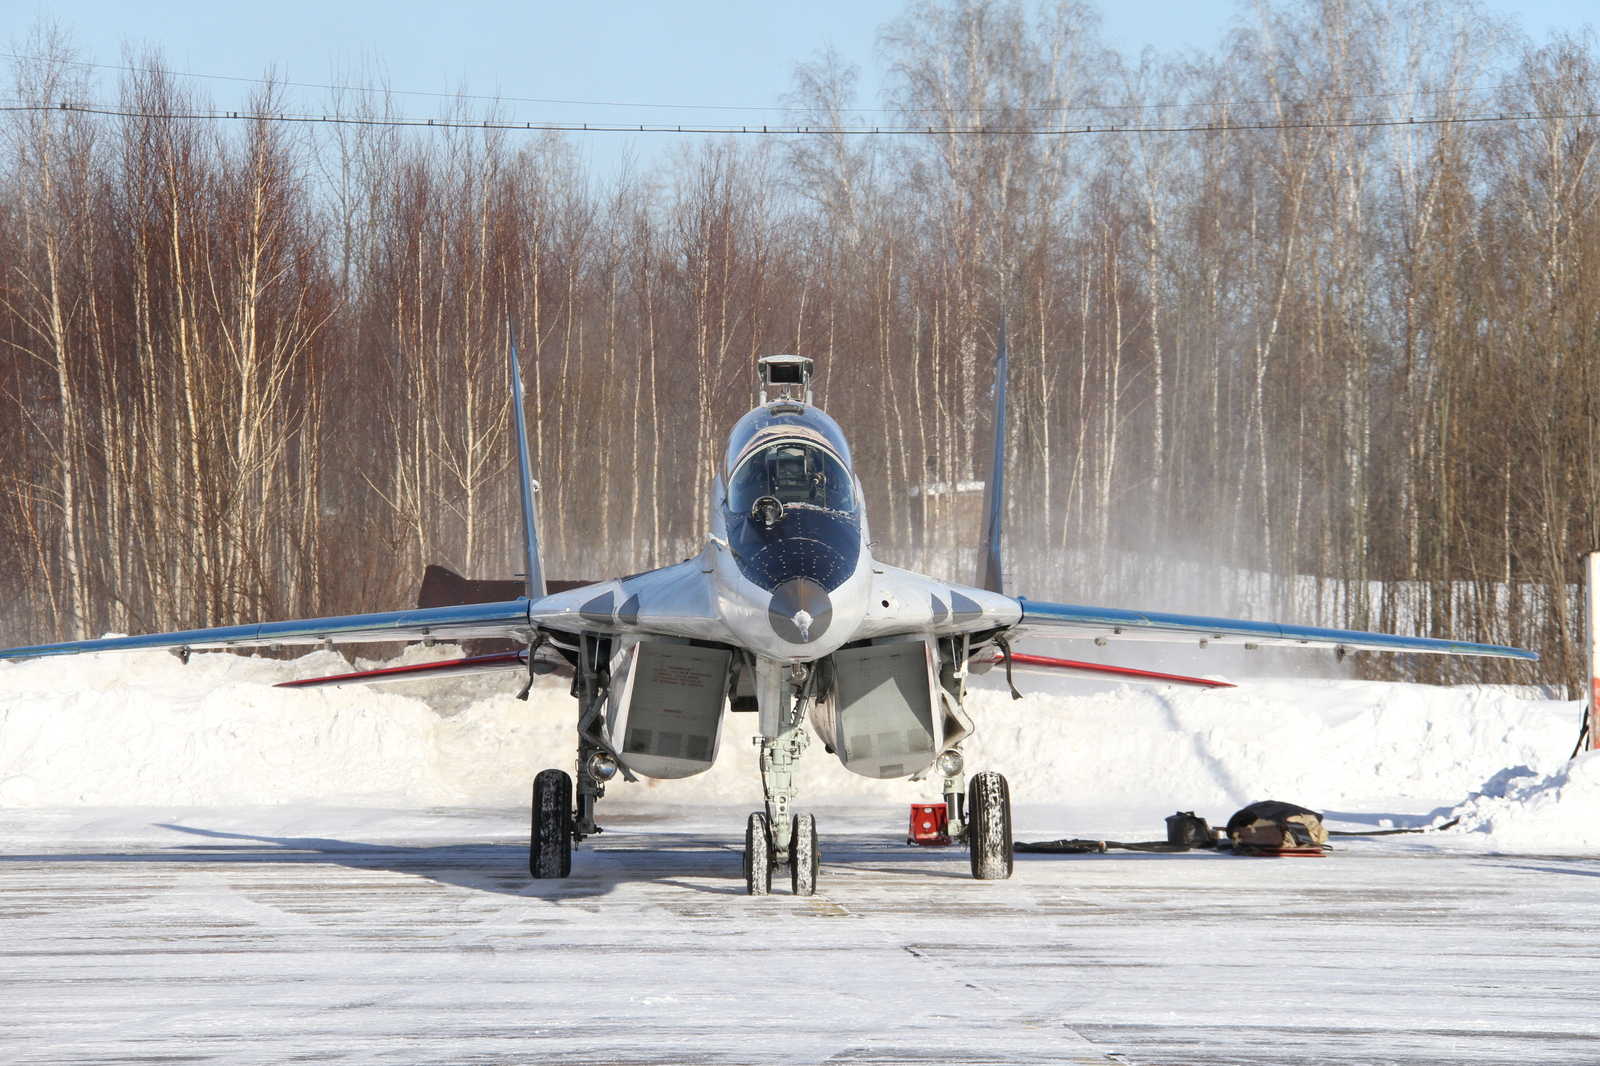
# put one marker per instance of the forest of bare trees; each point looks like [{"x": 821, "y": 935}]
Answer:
[{"x": 1308, "y": 327}]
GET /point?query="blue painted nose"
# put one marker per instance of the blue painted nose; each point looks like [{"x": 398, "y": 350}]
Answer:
[{"x": 806, "y": 542}]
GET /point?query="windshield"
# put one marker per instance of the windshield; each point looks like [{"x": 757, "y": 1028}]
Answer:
[
  {"x": 788, "y": 421},
  {"x": 794, "y": 472}
]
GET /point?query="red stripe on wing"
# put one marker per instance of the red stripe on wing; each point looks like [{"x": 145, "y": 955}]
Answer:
[
  {"x": 1018, "y": 659},
  {"x": 396, "y": 673}
]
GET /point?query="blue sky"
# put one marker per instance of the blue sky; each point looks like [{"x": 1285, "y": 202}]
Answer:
[{"x": 720, "y": 56}]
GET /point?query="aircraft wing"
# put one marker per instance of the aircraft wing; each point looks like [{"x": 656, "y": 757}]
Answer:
[
  {"x": 1114, "y": 623},
  {"x": 508, "y": 619},
  {"x": 674, "y": 601}
]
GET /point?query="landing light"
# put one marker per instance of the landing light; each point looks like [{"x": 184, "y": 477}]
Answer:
[
  {"x": 602, "y": 766},
  {"x": 949, "y": 762}
]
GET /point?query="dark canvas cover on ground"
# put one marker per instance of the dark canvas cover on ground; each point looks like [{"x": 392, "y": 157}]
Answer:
[{"x": 1273, "y": 825}]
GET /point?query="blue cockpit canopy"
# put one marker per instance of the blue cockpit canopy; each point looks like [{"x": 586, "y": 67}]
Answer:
[
  {"x": 792, "y": 471},
  {"x": 785, "y": 421}
]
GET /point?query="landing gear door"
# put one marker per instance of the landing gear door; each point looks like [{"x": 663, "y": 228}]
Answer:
[
  {"x": 666, "y": 707},
  {"x": 884, "y": 701}
]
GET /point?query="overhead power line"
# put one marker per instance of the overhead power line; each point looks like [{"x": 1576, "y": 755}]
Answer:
[
  {"x": 1052, "y": 108},
  {"x": 384, "y": 90},
  {"x": 775, "y": 129}
]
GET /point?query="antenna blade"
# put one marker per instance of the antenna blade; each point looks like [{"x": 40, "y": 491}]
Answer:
[
  {"x": 994, "y": 489},
  {"x": 530, "y": 525}
]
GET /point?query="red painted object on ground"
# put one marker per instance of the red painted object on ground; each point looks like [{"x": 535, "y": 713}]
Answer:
[{"x": 930, "y": 825}]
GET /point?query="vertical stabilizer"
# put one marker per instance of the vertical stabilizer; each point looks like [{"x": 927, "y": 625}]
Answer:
[
  {"x": 994, "y": 488},
  {"x": 530, "y": 525}
]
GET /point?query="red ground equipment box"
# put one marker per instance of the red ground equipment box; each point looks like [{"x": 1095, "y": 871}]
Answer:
[{"x": 930, "y": 824}]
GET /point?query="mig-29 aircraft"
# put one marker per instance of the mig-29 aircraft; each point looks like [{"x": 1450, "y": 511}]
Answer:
[{"x": 785, "y": 612}]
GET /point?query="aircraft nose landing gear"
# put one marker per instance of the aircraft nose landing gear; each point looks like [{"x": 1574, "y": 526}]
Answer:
[
  {"x": 779, "y": 836},
  {"x": 760, "y": 855}
]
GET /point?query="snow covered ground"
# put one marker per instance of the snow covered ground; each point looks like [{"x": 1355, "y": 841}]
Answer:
[{"x": 196, "y": 865}]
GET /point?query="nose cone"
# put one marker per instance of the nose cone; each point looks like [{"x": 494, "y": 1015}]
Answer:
[{"x": 801, "y": 611}]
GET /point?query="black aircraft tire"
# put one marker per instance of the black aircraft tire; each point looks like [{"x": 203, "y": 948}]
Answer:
[
  {"x": 550, "y": 846},
  {"x": 804, "y": 860},
  {"x": 989, "y": 826},
  {"x": 758, "y": 855}
]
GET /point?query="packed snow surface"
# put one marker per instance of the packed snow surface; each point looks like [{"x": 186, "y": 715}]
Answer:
[
  {"x": 144, "y": 729},
  {"x": 347, "y": 868}
]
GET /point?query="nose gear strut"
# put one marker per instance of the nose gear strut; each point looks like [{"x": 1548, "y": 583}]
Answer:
[{"x": 784, "y": 694}]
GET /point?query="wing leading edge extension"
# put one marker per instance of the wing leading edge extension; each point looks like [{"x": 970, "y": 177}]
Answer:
[
  {"x": 508, "y": 619},
  {"x": 1115, "y": 623}
]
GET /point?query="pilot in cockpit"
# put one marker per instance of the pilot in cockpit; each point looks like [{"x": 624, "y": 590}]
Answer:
[
  {"x": 789, "y": 476},
  {"x": 792, "y": 472}
]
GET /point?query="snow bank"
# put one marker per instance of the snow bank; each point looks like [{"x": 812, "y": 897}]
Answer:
[
  {"x": 142, "y": 728},
  {"x": 1520, "y": 810},
  {"x": 1356, "y": 744}
]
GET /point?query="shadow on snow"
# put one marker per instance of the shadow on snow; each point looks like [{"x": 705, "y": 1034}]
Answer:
[{"x": 696, "y": 863}]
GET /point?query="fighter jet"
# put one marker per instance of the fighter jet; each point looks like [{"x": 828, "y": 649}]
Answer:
[{"x": 784, "y": 612}]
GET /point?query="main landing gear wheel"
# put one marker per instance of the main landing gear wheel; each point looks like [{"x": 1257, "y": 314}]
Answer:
[
  {"x": 804, "y": 860},
  {"x": 989, "y": 826},
  {"x": 758, "y": 855},
  {"x": 550, "y": 848}
]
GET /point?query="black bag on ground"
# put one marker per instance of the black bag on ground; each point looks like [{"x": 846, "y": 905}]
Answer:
[{"x": 1188, "y": 830}]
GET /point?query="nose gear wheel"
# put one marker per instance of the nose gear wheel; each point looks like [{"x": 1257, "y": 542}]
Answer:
[
  {"x": 804, "y": 860},
  {"x": 758, "y": 855}
]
